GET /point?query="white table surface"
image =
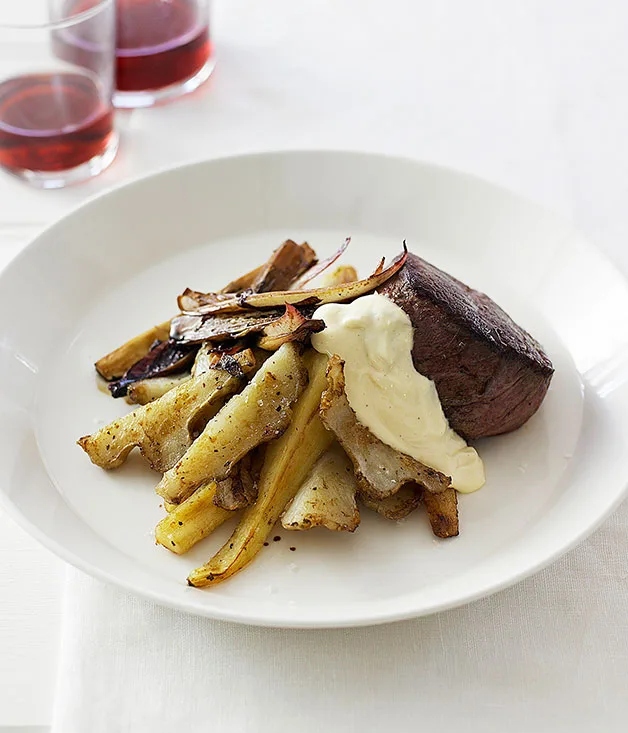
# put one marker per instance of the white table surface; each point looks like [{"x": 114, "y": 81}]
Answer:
[{"x": 529, "y": 94}]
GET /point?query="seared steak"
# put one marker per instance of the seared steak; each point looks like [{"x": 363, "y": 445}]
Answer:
[{"x": 490, "y": 374}]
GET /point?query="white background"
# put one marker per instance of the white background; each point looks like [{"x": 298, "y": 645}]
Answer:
[{"x": 527, "y": 93}]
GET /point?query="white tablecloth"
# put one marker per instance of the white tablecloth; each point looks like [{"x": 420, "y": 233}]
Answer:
[
  {"x": 550, "y": 654},
  {"x": 529, "y": 94}
]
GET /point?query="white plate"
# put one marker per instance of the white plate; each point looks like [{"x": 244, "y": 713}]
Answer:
[{"x": 114, "y": 267}]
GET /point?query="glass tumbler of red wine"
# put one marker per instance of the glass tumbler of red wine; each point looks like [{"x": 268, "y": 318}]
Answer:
[
  {"x": 57, "y": 70},
  {"x": 163, "y": 50}
]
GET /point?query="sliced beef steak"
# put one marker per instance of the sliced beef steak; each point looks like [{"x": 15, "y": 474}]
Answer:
[{"x": 490, "y": 374}]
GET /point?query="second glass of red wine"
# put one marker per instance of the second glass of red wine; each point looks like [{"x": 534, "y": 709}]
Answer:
[
  {"x": 164, "y": 50},
  {"x": 56, "y": 83}
]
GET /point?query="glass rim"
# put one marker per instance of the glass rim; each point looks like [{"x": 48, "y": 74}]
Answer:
[{"x": 62, "y": 23}]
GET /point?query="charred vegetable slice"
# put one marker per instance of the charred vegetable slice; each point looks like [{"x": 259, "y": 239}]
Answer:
[
  {"x": 275, "y": 326},
  {"x": 380, "y": 470},
  {"x": 292, "y": 326},
  {"x": 287, "y": 462},
  {"x": 119, "y": 361},
  {"x": 285, "y": 265},
  {"x": 168, "y": 357},
  {"x": 327, "y": 496},
  {"x": 442, "y": 510},
  {"x": 191, "y": 329},
  {"x": 217, "y": 303},
  {"x": 261, "y": 412},
  {"x": 163, "y": 430}
]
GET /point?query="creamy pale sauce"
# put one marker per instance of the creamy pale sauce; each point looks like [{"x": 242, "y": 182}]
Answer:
[{"x": 373, "y": 337}]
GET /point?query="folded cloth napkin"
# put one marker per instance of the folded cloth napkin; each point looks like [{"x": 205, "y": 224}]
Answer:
[{"x": 550, "y": 654}]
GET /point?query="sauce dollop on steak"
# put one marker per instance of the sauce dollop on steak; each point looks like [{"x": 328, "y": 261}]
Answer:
[{"x": 490, "y": 374}]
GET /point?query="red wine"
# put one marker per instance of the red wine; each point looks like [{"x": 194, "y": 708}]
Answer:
[
  {"x": 52, "y": 122},
  {"x": 159, "y": 43}
]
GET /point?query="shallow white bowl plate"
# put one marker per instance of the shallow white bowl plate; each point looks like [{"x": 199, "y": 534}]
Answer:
[{"x": 115, "y": 266}]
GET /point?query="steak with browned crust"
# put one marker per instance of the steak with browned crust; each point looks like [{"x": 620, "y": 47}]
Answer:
[{"x": 490, "y": 374}]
